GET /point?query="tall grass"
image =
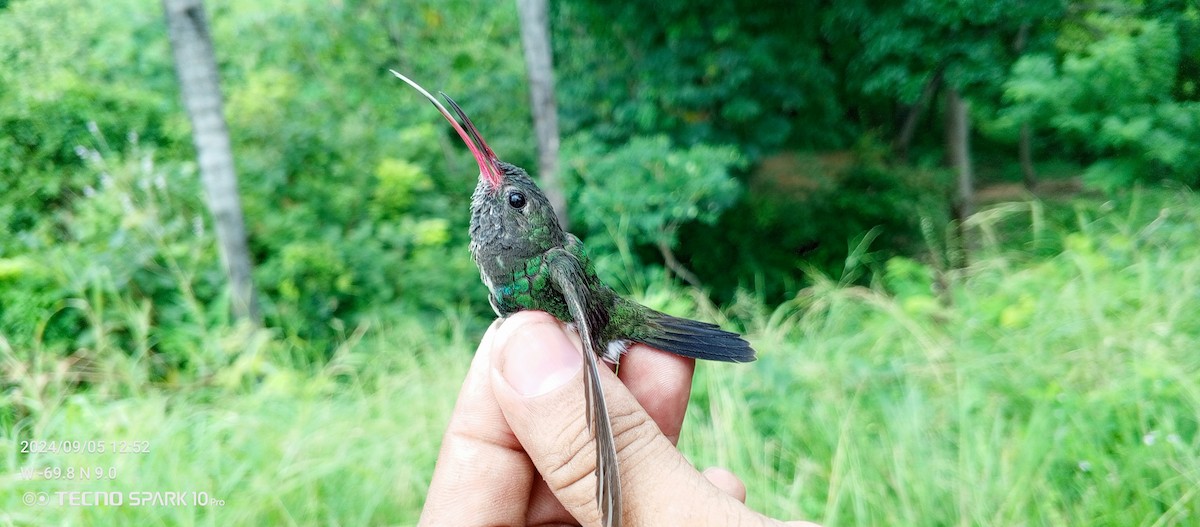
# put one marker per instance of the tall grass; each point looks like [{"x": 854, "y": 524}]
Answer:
[
  {"x": 349, "y": 443},
  {"x": 1054, "y": 381},
  {"x": 1057, "y": 391}
]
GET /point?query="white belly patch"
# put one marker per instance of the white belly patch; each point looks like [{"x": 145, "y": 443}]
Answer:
[{"x": 612, "y": 351}]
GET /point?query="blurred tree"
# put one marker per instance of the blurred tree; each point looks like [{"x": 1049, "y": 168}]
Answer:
[
  {"x": 742, "y": 73},
  {"x": 897, "y": 55},
  {"x": 908, "y": 130},
  {"x": 196, "y": 65},
  {"x": 60, "y": 93},
  {"x": 1111, "y": 93},
  {"x": 904, "y": 52},
  {"x": 644, "y": 191},
  {"x": 356, "y": 199},
  {"x": 958, "y": 149},
  {"x": 1025, "y": 140},
  {"x": 535, "y": 39}
]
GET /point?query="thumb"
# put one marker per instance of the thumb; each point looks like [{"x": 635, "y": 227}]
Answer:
[{"x": 537, "y": 379}]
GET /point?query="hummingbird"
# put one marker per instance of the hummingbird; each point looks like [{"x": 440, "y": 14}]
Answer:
[{"x": 527, "y": 261}]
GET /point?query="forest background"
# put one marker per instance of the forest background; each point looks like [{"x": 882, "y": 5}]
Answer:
[{"x": 961, "y": 235}]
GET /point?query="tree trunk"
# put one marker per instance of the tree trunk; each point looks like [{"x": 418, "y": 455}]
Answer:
[
  {"x": 1025, "y": 143},
  {"x": 1025, "y": 153},
  {"x": 196, "y": 68},
  {"x": 958, "y": 149},
  {"x": 671, "y": 261},
  {"x": 909, "y": 129},
  {"x": 539, "y": 63}
]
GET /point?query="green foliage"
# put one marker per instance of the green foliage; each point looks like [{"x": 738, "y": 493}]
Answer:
[
  {"x": 357, "y": 208},
  {"x": 131, "y": 264},
  {"x": 974, "y": 403},
  {"x": 747, "y": 74},
  {"x": 1111, "y": 175},
  {"x": 352, "y": 207},
  {"x": 355, "y": 194},
  {"x": 1112, "y": 97},
  {"x": 59, "y": 89},
  {"x": 1041, "y": 384},
  {"x": 236, "y": 435},
  {"x": 1053, "y": 388},
  {"x": 896, "y": 47},
  {"x": 399, "y": 185},
  {"x": 812, "y": 216},
  {"x": 641, "y": 193}
]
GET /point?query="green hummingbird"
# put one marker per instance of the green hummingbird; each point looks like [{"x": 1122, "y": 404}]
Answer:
[{"x": 527, "y": 261}]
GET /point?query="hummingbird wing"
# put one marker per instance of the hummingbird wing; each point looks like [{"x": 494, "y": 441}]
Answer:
[{"x": 571, "y": 279}]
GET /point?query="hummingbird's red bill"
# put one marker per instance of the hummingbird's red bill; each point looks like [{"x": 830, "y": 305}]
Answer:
[{"x": 489, "y": 168}]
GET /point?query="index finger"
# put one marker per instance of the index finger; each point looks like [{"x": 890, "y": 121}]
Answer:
[
  {"x": 483, "y": 476},
  {"x": 661, "y": 382}
]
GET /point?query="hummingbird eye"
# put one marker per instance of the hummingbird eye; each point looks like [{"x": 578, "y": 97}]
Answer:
[{"x": 516, "y": 199}]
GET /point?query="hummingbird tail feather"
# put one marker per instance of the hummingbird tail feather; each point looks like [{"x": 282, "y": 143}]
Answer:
[
  {"x": 608, "y": 483},
  {"x": 695, "y": 339},
  {"x": 568, "y": 276}
]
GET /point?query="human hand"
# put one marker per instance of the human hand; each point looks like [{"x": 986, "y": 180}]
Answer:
[{"x": 517, "y": 450}]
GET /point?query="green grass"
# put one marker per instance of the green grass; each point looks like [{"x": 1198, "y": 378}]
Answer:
[
  {"x": 1054, "y": 381},
  {"x": 351, "y": 443}
]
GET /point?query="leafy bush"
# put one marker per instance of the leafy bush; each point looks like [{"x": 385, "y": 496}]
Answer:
[
  {"x": 1113, "y": 99},
  {"x": 355, "y": 193},
  {"x": 59, "y": 89},
  {"x": 131, "y": 260},
  {"x": 745, "y": 74},
  {"x": 783, "y": 229},
  {"x": 352, "y": 212},
  {"x": 643, "y": 192},
  {"x": 1059, "y": 386}
]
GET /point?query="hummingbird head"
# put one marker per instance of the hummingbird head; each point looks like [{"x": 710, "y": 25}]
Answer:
[{"x": 511, "y": 219}]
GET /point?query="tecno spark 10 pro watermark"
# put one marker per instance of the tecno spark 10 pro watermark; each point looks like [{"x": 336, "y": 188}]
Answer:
[{"x": 59, "y": 471}]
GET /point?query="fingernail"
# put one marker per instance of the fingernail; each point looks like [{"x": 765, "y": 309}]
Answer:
[{"x": 538, "y": 358}]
